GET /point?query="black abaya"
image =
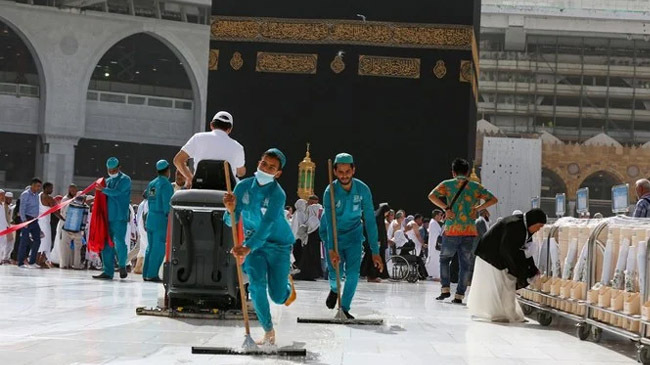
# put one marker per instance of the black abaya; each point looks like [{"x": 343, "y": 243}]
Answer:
[
  {"x": 502, "y": 246},
  {"x": 310, "y": 262},
  {"x": 368, "y": 268}
]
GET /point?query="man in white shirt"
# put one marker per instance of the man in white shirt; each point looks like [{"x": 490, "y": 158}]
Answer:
[
  {"x": 214, "y": 145},
  {"x": 435, "y": 230}
]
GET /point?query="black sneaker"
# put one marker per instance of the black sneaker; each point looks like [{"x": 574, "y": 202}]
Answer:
[
  {"x": 331, "y": 300},
  {"x": 443, "y": 296},
  {"x": 123, "y": 273},
  {"x": 102, "y": 276},
  {"x": 457, "y": 301},
  {"x": 348, "y": 315}
]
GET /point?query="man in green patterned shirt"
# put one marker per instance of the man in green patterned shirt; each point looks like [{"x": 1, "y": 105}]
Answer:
[{"x": 460, "y": 227}]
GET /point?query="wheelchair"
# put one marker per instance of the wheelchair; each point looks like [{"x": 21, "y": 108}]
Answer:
[{"x": 403, "y": 267}]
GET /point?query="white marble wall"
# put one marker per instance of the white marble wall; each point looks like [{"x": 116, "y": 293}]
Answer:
[
  {"x": 512, "y": 170},
  {"x": 19, "y": 114},
  {"x": 137, "y": 123}
]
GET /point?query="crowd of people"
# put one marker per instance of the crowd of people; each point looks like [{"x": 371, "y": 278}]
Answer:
[
  {"x": 281, "y": 243},
  {"x": 48, "y": 242},
  {"x": 44, "y": 243},
  {"x": 408, "y": 235}
]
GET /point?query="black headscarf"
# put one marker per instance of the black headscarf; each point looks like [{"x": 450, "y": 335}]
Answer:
[
  {"x": 535, "y": 216},
  {"x": 380, "y": 213},
  {"x": 502, "y": 246}
]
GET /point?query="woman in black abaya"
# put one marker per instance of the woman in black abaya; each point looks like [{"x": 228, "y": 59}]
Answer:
[
  {"x": 368, "y": 269},
  {"x": 502, "y": 267}
]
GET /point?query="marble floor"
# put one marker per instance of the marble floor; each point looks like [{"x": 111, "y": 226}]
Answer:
[{"x": 65, "y": 317}]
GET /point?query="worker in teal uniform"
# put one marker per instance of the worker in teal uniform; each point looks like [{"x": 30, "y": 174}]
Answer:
[
  {"x": 268, "y": 239},
  {"x": 354, "y": 207},
  {"x": 118, "y": 198},
  {"x": 159, "y": 195}
]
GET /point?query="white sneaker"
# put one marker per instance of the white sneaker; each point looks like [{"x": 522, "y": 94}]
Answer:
[
  {"x": 24, "y": 267},
  {"x": 34, "y": 266}
]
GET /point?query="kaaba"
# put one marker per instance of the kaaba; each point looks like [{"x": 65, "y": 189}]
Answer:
[{"x": 391, "y": 82}]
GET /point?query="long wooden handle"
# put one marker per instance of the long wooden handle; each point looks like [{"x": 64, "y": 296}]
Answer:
[
  {"x": 335, "y": 236},
  {"x": 235, "y": 240}
]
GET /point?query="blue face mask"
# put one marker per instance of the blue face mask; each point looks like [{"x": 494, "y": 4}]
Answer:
[{"x": 263, "y": 178}]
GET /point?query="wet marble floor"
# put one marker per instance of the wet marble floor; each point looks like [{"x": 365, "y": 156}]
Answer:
[{"x": 65, "y": 317}]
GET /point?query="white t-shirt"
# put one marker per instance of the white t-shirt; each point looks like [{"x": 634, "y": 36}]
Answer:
[{"x": 215, "y": 145}]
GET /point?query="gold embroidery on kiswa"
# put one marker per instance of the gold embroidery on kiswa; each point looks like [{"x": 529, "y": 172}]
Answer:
[
  {"x": 337, "y": 65},
  {"x": 436, "y": 36},
  {"x": 466, "y": 71},
  {"x": 362, "y": 33},
  {"x": 445, "y": 37},
  {"x": 389, "y": 66},
  {"x": 299, "y": 63},
  {"x": 236, "y": 62},
  {"x": 301, "y": 31},
  {"x": 214, "y": 60},
  {"x": 234, "y": 29},
  {"x": 467, "y": 75},
  {"x": 440, "y": 70},
  {"x": 475, "y": 57}
]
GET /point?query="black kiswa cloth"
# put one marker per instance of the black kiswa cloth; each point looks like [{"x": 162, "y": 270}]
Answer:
[{"x": 503, "y": 245}]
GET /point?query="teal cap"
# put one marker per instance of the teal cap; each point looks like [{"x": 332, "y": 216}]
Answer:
[
  {"x": 161, "y": 165},
  {"x": 279, "y": 154},
  {"x": 343, "y": 158},
  {"x": 112, "y": 163}
]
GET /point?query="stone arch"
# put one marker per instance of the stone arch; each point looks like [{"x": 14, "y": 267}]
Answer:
[
  {"x": 552, "y": 183},
  {"x": 190, "y": 64},
  {"x": 600, "y": 183},
  {"x": 36, "y": 56}
]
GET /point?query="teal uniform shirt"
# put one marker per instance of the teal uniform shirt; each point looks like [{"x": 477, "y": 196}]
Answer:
[
  {"x": 159, "y": 194},
  {"x": 262, "y": 208},
  {"x": 350, "y": 208},
  {"x": 118, "y": 193},
  {"x": 268, "y": 235}
]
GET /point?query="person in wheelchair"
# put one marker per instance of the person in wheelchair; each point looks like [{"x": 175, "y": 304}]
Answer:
[
  {"x": 408, "y": 252},
  {"x": 404, "y": 247}
]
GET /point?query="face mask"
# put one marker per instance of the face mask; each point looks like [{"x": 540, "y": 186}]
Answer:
[
  {"x": 263, "y": 178},
  {"x": 114, "y": 175}
]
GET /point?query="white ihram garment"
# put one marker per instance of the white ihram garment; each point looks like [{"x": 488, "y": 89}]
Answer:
[
  {"x": 433, "y": 260},
  {"x": 5, "y": 248},
  {"x": 46, "y": 229}
]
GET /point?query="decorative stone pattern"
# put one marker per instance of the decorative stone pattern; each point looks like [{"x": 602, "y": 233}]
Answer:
[{"x": 619, "y": 162}]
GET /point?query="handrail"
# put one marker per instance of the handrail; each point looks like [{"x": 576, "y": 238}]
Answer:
[
  {"x": 175, "y": 103},
  {"x": 143, "y": 100},
  {"x": 611, "y": 5}
]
